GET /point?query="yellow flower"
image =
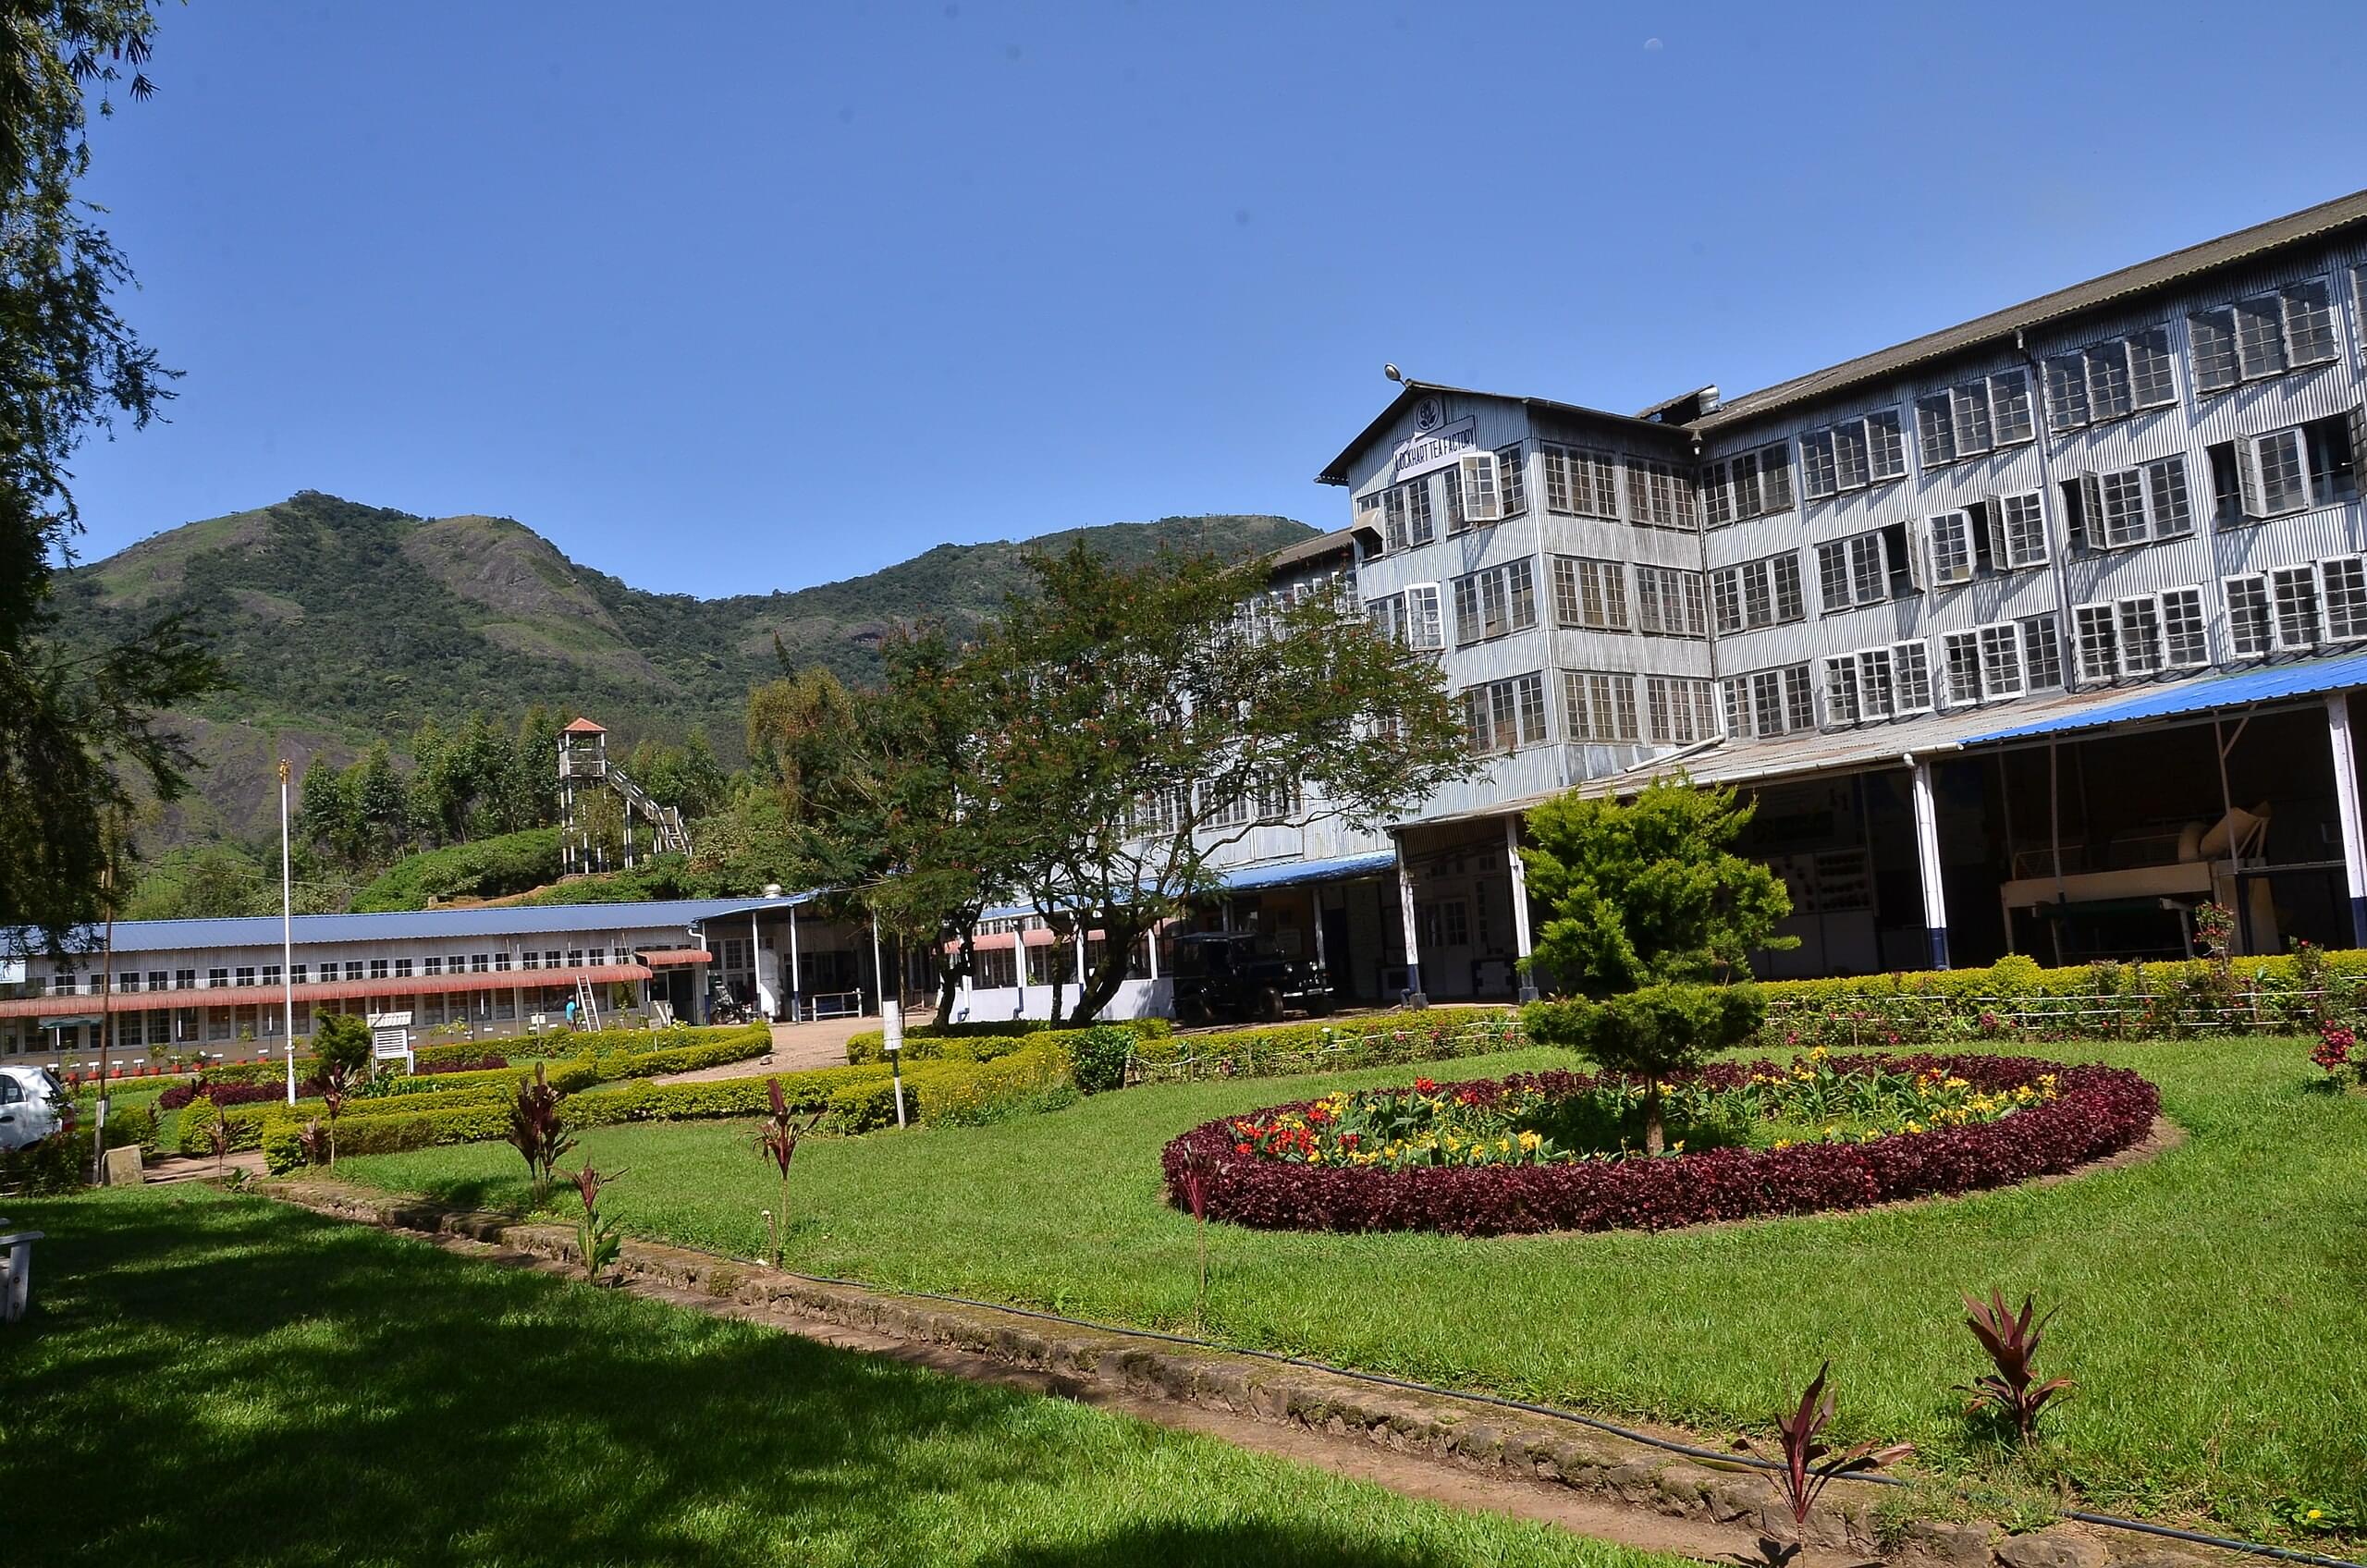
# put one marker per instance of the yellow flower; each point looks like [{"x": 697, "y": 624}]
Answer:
[
  {"x": 1529, "y": 1139},
  {"x": 2316, "y": 1513}
]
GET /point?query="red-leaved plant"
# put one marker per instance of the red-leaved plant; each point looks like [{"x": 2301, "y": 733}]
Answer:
[
  {"x": 1809, "y": 1464},
  {"x": 535, "y": 1131},
  {"x": 777, "y": 1141},
  {"x": 313, "y": 1141},
  {"x": 596, "y": 1238},
  {"x": 333, "y": 1081},
  {"x": 2013, "y": 1391},
  {"x": 1192, "y": 1175}
]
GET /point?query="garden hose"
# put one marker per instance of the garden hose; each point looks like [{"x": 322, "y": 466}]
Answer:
[{"x": 1671, "y": 1445}]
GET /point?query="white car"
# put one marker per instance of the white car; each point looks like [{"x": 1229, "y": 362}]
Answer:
[{"x": 32, "y": 1105}]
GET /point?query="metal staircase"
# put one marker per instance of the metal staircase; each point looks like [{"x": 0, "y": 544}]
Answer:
[
  {"x": 665, "y": 822},
  {"x": 583, "y": 763}
]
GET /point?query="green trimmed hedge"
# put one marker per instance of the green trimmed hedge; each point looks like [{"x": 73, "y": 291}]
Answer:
[
  {"x": 132, "y": 1125},
  {"x": 247, "y": 1121},
  {"x": 849, "y": 1099},
  {"x": 1435, "y": 1034},
  {"x": 386, "y": 1134},
  {"x": 2016, "y": 999},
  {"x": 983, "y": 1040}
]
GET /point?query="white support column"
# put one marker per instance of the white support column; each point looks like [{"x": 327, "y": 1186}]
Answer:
[
  {"x": 879, "y": 972},
  {"x": 796, "y": 986},
  {"x": 756, "y": 967},
  {"x": 1315, "y": 902},
  {"x": 1414, "y": 995},
  {"x": 1019, "y": 939},
  {"x": 1151, "y": 946},
  {"x": 1927, "y": 860},
  {"x": 2345, "y": 800},
  {"x": 1522, "y": 942}
]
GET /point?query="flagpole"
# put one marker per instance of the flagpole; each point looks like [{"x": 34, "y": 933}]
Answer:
[{"x": 287, "y": 939}]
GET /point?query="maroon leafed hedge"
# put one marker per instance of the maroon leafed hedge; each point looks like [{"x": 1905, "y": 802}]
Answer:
[
  {"x": 2096, "y": 1112},
  {"x": 224, "y": 1095}
]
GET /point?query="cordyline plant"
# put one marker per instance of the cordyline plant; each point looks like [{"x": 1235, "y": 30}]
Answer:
[
  {"x": 536, "y": 1131},
  {"x": 1810, "y": 1466},
  {"x": 777, "y": 1141},
  {"x": 333, "y": 1082},
  {"x": 2012, "y": 1392},
  {"x": 313, "y": 1141},
  {"x": 1192, "y": 1175},
  {"x": 596, "y": 1238},
  {"x": 217, "y": 1137}
]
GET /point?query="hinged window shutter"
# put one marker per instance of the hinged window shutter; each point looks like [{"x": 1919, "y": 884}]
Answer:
[
  {"x": 1994, "y": 519},
  {"x": 2248, "y": 475},
  {"x": 1775, "y": 473},
  {"x": 1424, "y": 628},
  {"x": 2091, "y": 506},
  {"x": 1481, "y": 500}
]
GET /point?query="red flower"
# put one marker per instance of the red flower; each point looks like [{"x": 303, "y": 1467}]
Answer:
[
  {"x": 1424, "y": 1086},
  {"x": 1241, "y": 1148}
]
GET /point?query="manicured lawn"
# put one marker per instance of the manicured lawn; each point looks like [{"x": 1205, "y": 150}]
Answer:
[
  {"x": 2212, "y": 1299},
  {"x": 209, "y": 1379}
]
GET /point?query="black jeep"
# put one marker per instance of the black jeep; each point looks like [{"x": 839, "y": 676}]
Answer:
[{"x": 1239, "y": 974}]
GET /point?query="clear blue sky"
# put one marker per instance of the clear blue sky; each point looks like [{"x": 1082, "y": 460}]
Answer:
[{"x": 724, "y": 298}]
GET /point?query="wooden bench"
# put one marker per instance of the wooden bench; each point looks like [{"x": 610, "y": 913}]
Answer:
[{"x": 15, "y": 1272}]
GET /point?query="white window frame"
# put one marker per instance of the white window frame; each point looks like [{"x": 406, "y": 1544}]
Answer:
[
  {"x": 2186, "y": 629},
  {"x": 1951, "y": 547},
  {"x": 2290, "y": 632},
  {"x": 2252, "y": 615},
  {"x": 2342, "y": 597},
  {"x": 2000, "y": 644},
  {"x": 2095, "y": 643},
  {"x": 2026, "y": 545},
  {"x": 1425, "y": 617},
  {"x": 1482, "y": 498},
  {"x": 1910, "y": 670}
]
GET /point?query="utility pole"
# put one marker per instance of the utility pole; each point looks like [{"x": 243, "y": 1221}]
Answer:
[
  {"x": 106, "y": 1003},
  {"x": 287, "y": 939}
]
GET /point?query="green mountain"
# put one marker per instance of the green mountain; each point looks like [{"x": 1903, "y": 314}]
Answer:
[{"x": 343, "y": 623}]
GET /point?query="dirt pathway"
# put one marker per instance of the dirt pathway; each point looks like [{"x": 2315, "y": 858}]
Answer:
[{"x": 1462, "y": 1451}]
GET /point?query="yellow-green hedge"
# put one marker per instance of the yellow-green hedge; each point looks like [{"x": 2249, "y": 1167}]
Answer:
[
  {"x": 983, "y": 1040},
  {"x": 1415, "y": 1034},
  {"x": 2015, "y": 995}
]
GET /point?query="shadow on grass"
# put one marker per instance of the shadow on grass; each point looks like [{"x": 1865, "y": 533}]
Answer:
[{"x": 218, "y": 1381}]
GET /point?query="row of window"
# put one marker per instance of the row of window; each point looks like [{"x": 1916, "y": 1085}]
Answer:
[
  {"x": 2264, "y": 476},
  {"x": 2130, "y": 637},
  {"x": 65, "y": 981},
  {"x": 1590, "y": 594},
  {"x": 1162, "y": 813},
  {"x": 2249, "y": 339},
  {"x": 1502, "y": 716}
]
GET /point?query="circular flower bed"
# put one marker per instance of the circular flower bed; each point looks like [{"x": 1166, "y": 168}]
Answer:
[{"x": 1482, "y": 1158}]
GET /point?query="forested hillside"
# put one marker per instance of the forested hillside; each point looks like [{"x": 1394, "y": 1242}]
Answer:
[{"x": 345, "y": 624}]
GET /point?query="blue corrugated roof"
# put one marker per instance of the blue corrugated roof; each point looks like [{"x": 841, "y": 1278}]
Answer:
[
  {"x": 1275, "y": 873},
  {"x": 263, "y": 930},
  {"x": 2242, "y": 689}
]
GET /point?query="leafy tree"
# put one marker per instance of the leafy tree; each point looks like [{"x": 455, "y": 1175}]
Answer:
[
  {"x": 75, "y": 730},
  {"x": 382, "y": 802},
  {"x": 1135, "y": 720},
  {"x": 341, "y": 1040},
  {"x": 1648, "y": 902},
  {"x": 328, "y": 816},
  {"x": 203, "y": 882},
  {"x": 1653, "y": 1032},
  {"x": 1650, "y": 891},
  {"x": 877, "y": 792}
]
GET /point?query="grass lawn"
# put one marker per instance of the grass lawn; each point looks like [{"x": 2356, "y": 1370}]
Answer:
[
  {"x": 211, "y": 1380},
  {"x": 2212, "y": 1299}
]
